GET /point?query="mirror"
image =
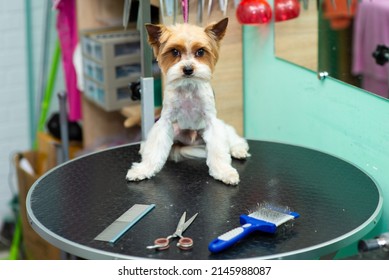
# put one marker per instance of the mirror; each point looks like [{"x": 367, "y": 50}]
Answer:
[{"x": 339, "y": 37}]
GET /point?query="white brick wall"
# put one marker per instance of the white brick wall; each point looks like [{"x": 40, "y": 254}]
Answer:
[
  {"x": 14, "y": 134},
  {"x": 14, "y": 114}
]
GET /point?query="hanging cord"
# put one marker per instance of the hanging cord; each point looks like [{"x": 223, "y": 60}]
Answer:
[
  {"x": 49, "y": 89},
  {"x": 185, "y": 10},
  {"x": 30, "y": 68},
  {"x": 44, "y": 62}
]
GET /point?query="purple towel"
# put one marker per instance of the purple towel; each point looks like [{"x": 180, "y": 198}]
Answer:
[
  {"x": 371, "y": 28},
  {"x": 68, "y": 38}
]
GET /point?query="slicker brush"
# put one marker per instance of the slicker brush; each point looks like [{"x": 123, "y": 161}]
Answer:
[{"x": 265, "y": 218}]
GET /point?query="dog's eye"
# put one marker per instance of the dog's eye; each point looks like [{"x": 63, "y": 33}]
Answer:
[
  {"x": 200, "y": 52},
  {"x": 175, "y": 52}
]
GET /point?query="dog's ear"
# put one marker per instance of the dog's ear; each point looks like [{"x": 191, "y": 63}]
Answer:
[
  {"x": 154, "y": 31},
  {"x": 217, "y": 30}
]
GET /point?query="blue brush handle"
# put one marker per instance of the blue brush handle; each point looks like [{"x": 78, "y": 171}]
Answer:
[{"x": 229, "y": 238}]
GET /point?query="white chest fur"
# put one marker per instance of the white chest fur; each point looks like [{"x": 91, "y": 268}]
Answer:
[{"x": 189, "y": 104}]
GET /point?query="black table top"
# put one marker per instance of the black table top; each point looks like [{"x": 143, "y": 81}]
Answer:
[{"x": 338, "y": 204}]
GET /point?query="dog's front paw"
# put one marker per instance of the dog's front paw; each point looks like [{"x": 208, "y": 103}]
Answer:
[
  {"x": 227, "y": 175},
  {"x": 138, "y": 172},
  {"x": 240, "y": 151}
]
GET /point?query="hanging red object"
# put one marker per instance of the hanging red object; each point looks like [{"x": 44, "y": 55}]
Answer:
[
  {"x": 286, "y": 9},
  {"x": 253, "y": 12}
]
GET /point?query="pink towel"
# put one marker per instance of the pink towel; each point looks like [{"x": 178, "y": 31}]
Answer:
[
  {"x": 68, "y": 37},
  {"x": 371, "y": 28}
]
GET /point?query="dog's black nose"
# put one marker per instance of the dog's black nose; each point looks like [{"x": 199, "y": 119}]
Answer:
[{"x": 188, "y": 70}]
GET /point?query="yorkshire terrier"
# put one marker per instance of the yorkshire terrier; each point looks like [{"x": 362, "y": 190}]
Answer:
[{"x": 188, "y": 126}]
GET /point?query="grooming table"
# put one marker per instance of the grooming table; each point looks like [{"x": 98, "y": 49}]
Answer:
[{"x": 338, "y": 203}]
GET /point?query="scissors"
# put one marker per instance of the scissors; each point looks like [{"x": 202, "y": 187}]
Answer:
[{"x": 184, "y": 243}]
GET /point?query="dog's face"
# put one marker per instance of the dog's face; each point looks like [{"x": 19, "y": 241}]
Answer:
[{"x": 186, "y": 51}]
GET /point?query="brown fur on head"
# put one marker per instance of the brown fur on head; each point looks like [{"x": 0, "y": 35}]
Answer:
[{"x": 171, "y": 43}]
